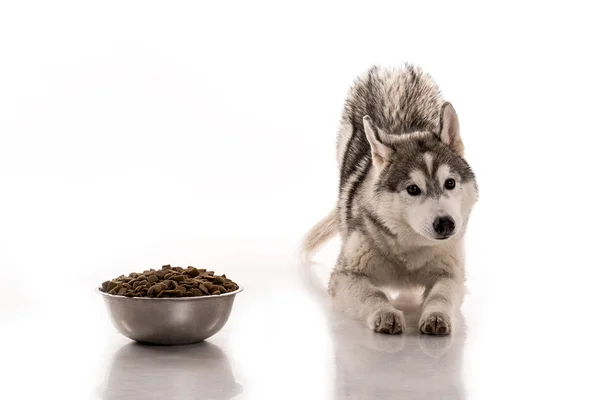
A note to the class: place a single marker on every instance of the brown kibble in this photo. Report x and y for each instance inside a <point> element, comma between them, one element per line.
<point>221,289</point>
<point>169,282</point>
<point>155,288</point>
<point>203,289</point>
<point>161,273</point>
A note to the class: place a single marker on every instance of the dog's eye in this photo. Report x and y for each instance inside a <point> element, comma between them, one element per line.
<point>413,190</point>
<point>450,184</point>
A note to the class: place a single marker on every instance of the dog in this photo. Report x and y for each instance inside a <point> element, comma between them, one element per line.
<point>405,196</point>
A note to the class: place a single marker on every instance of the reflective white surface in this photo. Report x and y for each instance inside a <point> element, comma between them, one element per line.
<point>282,341</point>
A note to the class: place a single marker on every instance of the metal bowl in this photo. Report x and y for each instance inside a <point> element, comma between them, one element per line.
<point>169,321</point>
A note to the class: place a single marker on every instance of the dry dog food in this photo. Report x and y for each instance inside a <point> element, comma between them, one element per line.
<point>170,282</point>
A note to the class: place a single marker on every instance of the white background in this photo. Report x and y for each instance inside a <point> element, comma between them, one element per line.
<point>137,133</point>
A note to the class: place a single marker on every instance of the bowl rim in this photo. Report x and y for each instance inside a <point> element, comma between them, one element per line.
<point>211,296</point>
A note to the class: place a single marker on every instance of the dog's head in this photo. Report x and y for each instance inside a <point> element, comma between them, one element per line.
<point>422,182</point>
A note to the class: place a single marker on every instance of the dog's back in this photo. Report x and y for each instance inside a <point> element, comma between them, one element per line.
<point>400,100</point>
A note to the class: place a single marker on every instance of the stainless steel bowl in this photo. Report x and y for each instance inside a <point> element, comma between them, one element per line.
<point>169,321</point>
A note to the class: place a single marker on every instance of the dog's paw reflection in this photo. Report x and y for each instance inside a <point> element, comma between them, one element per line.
<point>435,346</point>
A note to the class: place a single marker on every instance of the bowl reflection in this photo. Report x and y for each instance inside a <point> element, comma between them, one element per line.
<point>200,371</point>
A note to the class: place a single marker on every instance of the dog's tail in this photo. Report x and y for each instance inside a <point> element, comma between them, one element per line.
<point>323,231</point>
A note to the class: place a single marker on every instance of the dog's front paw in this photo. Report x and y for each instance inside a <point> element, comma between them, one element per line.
<point>387,321</point>
<point>435,323</point>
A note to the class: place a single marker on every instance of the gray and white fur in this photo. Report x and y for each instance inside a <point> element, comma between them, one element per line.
<point>405,196</point>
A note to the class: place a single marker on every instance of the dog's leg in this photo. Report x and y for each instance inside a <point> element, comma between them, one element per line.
<point>355,293</point>
<point>440,300</point>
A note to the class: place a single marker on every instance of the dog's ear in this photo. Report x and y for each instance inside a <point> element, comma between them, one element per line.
<point>380,152</point>
<point>450,129</point>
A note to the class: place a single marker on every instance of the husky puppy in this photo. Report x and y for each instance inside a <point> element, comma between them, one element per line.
<point>405,196</point>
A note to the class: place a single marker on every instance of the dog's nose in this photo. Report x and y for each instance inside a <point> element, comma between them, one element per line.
<point>443,226</point>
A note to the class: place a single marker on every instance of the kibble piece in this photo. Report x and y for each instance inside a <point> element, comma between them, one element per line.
<point>153,278</point>
<point>178,278</point>
<point>203,289</point>
<point>155,288</point>
<point>221,288</point>
<point>161,273</point>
